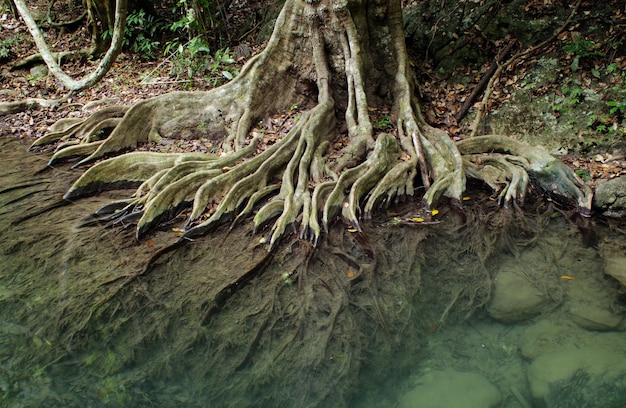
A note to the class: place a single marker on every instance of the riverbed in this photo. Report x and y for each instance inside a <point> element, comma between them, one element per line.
<point>480,308</point>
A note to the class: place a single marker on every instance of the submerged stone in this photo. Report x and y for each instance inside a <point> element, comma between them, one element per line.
<point>452,388</point>
<point>587,377</point>
<point>616,268</point>
<point>596,317</point>
<point>514,298</point>
<point>554,335</point>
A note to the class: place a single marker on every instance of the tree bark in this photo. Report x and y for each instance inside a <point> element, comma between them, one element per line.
<point>101,19</point>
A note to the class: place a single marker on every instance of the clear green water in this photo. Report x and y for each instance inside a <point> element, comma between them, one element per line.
<point>79,328</point>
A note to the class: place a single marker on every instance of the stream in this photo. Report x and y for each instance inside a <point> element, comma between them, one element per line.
<point>475,311</point>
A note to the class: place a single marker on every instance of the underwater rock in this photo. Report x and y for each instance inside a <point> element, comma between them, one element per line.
<point>587,377</point>
<point>595,317</point>
<point>514,298</point>
<point>616,267</point>
<point>451,388</point>
<point>558,334</point>
<point>610,197</point>
<point>546,336</point>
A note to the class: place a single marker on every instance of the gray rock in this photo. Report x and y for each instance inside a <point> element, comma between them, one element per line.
<point>587,377</point>
<point>39,71</point>
<point>610,197</point>
<point>558,334</point>
<point>451,388</point>
<point>616,268</point>
<point>547,336</point>
<point>514,298</point>
<point>596,317</point>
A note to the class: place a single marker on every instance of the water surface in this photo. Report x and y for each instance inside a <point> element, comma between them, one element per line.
<point>404,317</point>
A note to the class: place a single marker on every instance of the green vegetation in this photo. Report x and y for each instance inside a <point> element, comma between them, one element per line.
<point>583,174</point>
<point>572,96</point>
<point>189,54</point>
<point>139,34</point>
<point>223,60</point>
<point>383,122</point>
<point>6,46</point>
<point>582,48</point>
<point>611,119</point>
<point>145,32</point>
<point>607,80</point>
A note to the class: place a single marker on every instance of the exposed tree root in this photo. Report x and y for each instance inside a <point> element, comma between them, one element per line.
<point>507,167</point>
<point>7,108</point>
<point>58,56</point>
<point>316,59</point>
<point>82,130</point>
<point>53,65</point>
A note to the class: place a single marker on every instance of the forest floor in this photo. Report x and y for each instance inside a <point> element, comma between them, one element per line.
<point>597,64</point>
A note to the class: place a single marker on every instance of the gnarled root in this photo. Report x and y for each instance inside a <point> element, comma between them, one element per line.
<point>80,137</point>
<point>362,178</point>
<point>502,170</point>
<point>299,180</point>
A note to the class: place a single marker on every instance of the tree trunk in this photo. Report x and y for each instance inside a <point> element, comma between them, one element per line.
<point>101,19</point>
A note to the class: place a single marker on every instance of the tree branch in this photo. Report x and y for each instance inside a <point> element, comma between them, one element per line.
<point>519,55</point>
<point>7,108</point>
<point>54,67</point>
<point>483,82</point>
